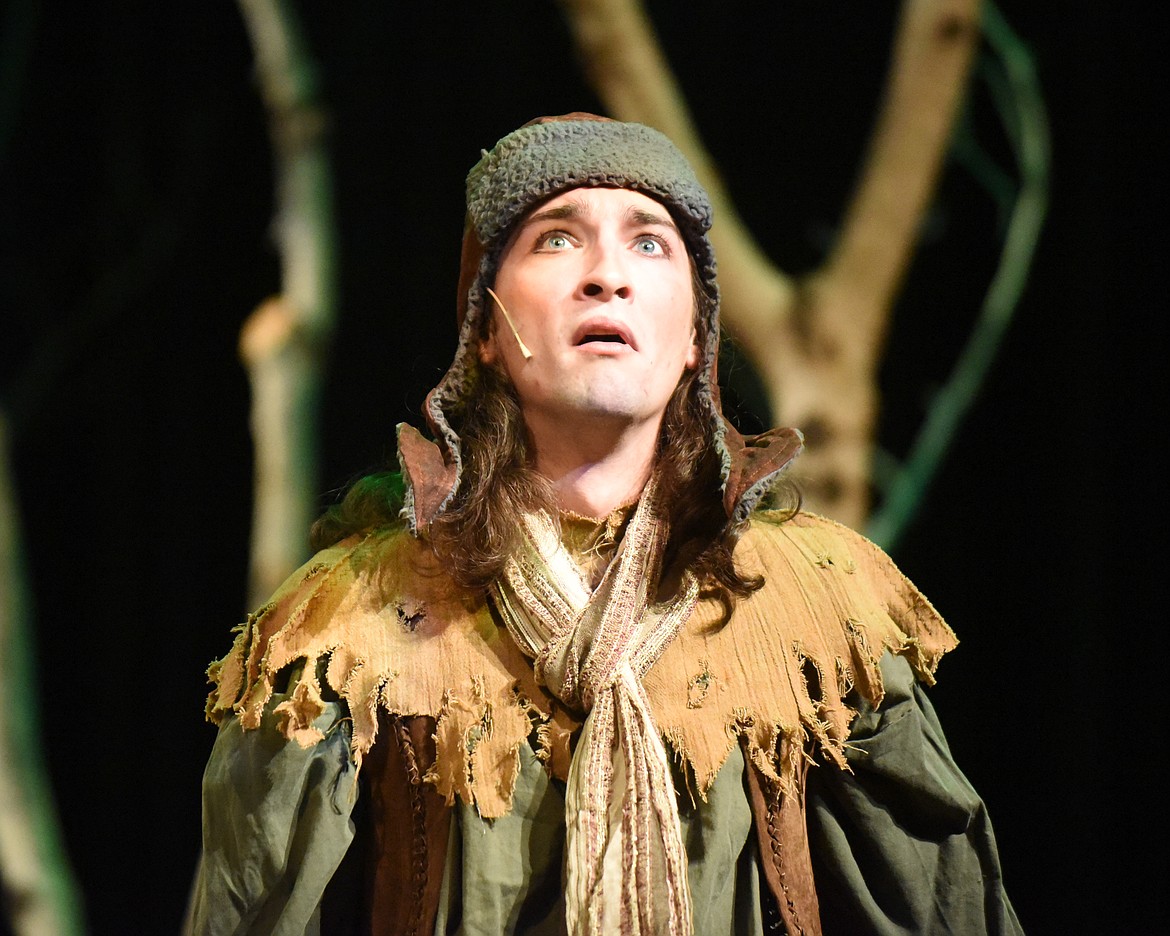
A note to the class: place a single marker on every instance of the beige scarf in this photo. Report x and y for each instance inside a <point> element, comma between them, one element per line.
<point>626,864</point>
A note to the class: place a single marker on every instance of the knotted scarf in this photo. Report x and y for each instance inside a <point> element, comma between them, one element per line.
<point>626,863</point>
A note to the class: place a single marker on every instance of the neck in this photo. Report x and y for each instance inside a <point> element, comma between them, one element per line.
<point>595,471</point>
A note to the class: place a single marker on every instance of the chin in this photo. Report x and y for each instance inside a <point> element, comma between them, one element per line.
<point>616,410</point>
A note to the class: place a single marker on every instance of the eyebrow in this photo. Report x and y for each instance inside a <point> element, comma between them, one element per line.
<point>641,216</point>
<point>572,210</point>
<point>566,212</point>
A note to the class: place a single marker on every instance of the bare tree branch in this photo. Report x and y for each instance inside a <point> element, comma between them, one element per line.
<point>282,343</point>
<point>626,67</point>
<point>932,57</point>
<point>38,888</point>
<point>846,305</point>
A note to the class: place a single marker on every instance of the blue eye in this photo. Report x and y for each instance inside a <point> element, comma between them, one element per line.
<point>555,241</point>
<point>650,246</point>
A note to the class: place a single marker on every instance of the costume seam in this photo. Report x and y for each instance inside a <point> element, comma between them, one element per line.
<point>774,840</point>
<point>418,817</point>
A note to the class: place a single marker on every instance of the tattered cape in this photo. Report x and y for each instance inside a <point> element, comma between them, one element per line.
<point>377,617</point>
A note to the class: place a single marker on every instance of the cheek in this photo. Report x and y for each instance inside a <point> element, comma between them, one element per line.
<point>679,316</point>
<point>678,326</point>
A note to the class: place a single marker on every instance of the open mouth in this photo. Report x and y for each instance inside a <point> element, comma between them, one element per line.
<point>611,337</point>
<point>601,331</point>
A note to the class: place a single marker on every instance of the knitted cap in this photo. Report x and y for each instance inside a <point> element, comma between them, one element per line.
<point>543,158</point>
<point>551,155</point>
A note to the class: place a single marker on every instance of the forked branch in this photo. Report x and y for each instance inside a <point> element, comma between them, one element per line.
<point>816,342</point>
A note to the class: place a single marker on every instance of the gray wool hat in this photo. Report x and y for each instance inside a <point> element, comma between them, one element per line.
<point>543,158</point>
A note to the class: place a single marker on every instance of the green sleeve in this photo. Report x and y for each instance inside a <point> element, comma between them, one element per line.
<point>276,824</point>
<point>903,844</point>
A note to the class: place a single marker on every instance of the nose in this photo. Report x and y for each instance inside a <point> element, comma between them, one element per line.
<point>605,275</point>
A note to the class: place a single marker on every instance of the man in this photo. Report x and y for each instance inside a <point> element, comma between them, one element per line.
<point>583,683</point>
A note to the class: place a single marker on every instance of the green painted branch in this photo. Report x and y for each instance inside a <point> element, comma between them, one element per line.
<point>1028,128</point>
<point>38,888</point>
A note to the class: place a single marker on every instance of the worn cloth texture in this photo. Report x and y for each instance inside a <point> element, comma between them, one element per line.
<point>403,671</point>
<point>390,631</point>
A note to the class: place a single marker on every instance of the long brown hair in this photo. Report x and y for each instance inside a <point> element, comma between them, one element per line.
<point>477,531</point>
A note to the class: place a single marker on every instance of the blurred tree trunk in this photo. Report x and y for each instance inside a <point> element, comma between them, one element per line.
<point>39,894</point>
<point>283,342</point>
<point>816,341</point>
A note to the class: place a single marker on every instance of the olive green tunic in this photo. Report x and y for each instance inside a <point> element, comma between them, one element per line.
<point>901,845</point>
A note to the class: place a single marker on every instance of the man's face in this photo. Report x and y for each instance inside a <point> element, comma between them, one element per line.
<point>598,283</point>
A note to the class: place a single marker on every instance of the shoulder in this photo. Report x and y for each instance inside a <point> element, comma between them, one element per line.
<point>791,662</point>
<point>377,623</point>
<point>846,576</point>
<point>803,528</point>
<point>386,575</point>
<point>784,545</point>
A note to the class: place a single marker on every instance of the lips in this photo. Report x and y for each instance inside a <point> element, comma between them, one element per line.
<point>603,331</point>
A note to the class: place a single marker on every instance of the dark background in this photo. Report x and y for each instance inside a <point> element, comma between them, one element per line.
<point>136,196</point>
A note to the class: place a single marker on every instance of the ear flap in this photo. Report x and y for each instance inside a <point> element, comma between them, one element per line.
<point>755,462</point>
<point>430,478</point>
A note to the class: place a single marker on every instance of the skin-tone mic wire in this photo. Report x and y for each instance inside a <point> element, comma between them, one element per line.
<point>507,318</point>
